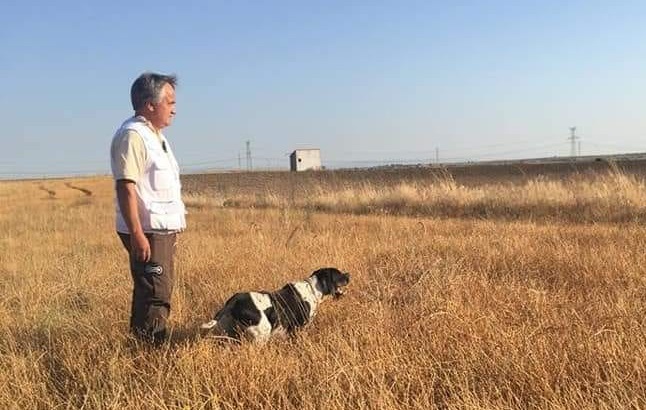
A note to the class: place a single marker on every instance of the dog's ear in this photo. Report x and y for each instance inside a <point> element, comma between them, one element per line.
<point>324,278</point>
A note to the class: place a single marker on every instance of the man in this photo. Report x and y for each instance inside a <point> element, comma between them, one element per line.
<point>150,210</point>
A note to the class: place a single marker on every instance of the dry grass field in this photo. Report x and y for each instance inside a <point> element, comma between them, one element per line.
<point>498,295</point>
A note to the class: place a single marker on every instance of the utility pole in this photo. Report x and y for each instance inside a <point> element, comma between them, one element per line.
<point>239,161</point>
<point>573,138</point>
<point>249,165</point>
<point>437,155</point>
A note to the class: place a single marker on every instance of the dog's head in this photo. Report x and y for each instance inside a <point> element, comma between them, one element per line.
<point>331,281</point>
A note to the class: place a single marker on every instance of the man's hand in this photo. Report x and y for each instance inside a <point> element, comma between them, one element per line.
<point>140,247</point>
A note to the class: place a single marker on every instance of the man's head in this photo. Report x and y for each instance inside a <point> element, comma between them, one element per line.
<point>153,97</point>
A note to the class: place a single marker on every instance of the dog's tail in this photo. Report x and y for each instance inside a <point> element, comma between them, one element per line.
<point>210,324</point>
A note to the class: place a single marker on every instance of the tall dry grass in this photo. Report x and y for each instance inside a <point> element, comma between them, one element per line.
<point>610,196</point>
<point>485,312</point>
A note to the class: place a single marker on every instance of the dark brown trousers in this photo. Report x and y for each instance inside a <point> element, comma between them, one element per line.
<point>153,285</point>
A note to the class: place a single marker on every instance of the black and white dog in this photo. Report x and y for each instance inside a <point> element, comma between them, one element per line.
<point>260,315</point>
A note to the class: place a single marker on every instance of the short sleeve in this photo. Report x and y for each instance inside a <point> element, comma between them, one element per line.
<point>128,156</point>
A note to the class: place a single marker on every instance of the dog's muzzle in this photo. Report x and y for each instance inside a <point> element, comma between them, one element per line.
<point>339,291</point>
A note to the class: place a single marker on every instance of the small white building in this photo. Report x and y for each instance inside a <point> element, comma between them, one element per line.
<point>305,159</point>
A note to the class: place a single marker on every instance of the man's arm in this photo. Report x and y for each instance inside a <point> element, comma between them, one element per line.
<point>127,197</point>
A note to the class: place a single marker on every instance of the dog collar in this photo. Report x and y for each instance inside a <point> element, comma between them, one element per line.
<point>309,282</point>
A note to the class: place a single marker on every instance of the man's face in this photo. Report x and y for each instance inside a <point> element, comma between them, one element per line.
<point>162,113</point>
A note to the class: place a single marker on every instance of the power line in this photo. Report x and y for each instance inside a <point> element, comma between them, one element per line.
<point>476,153</point>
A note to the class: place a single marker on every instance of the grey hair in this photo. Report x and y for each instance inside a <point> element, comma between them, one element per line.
<point>147,88</point>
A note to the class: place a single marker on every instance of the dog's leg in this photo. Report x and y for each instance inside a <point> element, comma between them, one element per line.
<point>280,333</point>
<point>259,333</point>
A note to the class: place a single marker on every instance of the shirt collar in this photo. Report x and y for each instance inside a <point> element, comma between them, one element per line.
<point>141,118</point>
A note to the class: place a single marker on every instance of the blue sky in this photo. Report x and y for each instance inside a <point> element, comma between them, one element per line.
<point>362,80</point>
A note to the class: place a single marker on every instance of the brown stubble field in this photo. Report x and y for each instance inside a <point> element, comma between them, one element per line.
<point>523,293</point>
